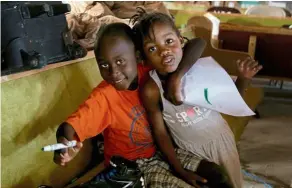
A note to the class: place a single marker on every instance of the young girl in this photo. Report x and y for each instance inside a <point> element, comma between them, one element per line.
<point>208,135</point>
<point>115,109</point>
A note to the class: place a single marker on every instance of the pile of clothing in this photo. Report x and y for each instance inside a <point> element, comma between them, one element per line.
<point>86,17</point>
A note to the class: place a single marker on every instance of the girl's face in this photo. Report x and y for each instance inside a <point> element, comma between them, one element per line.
<point>117,61</point>
<point>163,48</point>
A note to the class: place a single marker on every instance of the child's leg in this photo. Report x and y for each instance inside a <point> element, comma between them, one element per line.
<point>157,174</point>
<point>215,175</point>
<point>225,153</point>
<point>232,166</point>
<point>188,160</point>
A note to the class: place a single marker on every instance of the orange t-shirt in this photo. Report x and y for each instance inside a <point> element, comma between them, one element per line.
<point>120,116</point>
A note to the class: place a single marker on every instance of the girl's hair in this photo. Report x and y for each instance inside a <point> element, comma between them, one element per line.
<point>114,30</point>
<point>143,25</point>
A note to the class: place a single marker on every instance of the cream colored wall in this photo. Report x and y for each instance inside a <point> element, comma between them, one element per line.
<point>32,109</point>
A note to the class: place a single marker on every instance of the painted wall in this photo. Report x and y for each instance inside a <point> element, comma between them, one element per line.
<point>32,109</point>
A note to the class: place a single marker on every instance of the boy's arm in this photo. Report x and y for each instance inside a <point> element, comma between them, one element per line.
<point>191,53</point>
<point>66,130</point>
<point>66,133</point>
<point>150,96</point>
<point>90,119</point>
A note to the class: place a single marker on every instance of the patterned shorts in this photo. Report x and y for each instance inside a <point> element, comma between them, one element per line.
<point>157,172</point>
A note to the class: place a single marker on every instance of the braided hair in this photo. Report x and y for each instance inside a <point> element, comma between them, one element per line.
<point>143,26</point>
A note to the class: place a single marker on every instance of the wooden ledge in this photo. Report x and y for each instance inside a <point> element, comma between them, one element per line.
<point>256,29</point>
<point>18,75</point>
<point>242,15</point>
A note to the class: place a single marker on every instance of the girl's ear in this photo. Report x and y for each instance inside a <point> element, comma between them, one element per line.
<point>182,41</point>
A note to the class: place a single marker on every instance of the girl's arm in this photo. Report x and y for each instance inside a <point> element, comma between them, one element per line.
<point>150,99</point>
<point>191,53</point>
<point>150,96</point>
<point>247,69</point>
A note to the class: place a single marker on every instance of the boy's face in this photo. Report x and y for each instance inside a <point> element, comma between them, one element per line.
<point>117,61</point>
<point>163,48</point>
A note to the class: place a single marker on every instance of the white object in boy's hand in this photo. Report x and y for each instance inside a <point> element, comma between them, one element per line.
<point>208,85</point>
<point>59,146</point>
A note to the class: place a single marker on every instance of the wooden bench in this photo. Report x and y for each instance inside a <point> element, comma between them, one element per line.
<point>203,27</point>
<point>253,95</point>
<point>270,46</point>
<point>88,176</point>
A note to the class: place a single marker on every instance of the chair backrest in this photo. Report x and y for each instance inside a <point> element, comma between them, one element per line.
<point>264,10</point>
<point>206,27</point>
<point>288,13</point>
<point>223,10</point>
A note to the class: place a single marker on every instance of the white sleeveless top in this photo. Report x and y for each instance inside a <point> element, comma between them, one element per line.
<point>191,126</point>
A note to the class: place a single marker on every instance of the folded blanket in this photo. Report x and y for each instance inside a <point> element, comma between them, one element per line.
<point>91,8</point>
<point>128,9</point>
<point>85,27</point>
<point>86,17</point>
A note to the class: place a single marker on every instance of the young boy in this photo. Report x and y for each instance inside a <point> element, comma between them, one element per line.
<point>207,134</point>
<point>115,109</point>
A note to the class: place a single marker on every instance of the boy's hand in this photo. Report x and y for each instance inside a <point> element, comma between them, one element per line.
<point>247,68</point>
<point>192,178</point>
<point>63,156</point>
<point>173,89</point>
